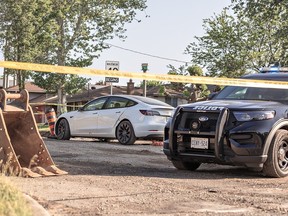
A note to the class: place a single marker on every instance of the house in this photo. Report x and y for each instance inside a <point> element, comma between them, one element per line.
<point>166,94</point>
<point>9,81</point>
<point>40,101</point>
<point>36,97</point>
<point>162,93</point>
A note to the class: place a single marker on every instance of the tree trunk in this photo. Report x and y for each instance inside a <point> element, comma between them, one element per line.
<point>61,106</point>
<point>4,79</point>
<point>193,95</point>
<point>62,103</point>
<point>20,80</point>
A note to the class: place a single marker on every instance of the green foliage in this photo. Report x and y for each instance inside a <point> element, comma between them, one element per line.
<point>193,91</point>
<point>195,70</point>
<point>204,91</point>
<point>219,49</point>
<point>70,33</point>
<point>82,27</point>
<point>80,31</point>
<point>269,21</point>
<point>20,26</point>
<point>186,93</point>
<point>162,90</point>
<point>71,83</point>
<point>181,71</point>
<point>43,127</point>
<point>244,37</point>
<point>197,90</point>
<point>151,83</point>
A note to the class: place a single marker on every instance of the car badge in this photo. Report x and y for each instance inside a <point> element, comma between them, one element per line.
<point>203,118</point>
<point>195,125</point>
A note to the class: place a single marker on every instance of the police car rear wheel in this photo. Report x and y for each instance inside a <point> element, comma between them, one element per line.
<point>277,161</point>
<point>184,165</point>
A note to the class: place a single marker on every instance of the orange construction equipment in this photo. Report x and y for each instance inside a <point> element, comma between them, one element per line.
<point>22,149</point>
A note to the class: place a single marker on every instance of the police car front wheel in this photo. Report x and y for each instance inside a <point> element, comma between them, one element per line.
<point>277,161</point>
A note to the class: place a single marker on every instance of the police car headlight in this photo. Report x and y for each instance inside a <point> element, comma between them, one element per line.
<point>254,115</point>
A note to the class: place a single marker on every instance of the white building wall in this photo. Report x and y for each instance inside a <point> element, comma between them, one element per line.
<point>10,82</point>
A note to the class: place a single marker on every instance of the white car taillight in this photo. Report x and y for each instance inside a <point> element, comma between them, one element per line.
<point>150,112</point>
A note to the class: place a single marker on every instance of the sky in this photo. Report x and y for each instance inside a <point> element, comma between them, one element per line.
<point>170,26</point>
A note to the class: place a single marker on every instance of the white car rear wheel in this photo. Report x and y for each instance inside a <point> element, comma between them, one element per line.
<point>125,133</point>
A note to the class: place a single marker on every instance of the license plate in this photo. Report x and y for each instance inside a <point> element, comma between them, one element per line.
<point>199,143</point>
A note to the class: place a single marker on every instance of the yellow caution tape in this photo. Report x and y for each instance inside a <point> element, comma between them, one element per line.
<point>144,76</point>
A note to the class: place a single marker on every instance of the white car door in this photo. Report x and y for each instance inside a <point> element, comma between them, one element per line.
<point>85,122</point>
<point>109,116</point>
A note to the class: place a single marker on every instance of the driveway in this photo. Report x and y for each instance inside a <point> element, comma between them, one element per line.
<point>113,179</point>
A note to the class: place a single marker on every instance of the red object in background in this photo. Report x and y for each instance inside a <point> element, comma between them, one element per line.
<point>157,143</point>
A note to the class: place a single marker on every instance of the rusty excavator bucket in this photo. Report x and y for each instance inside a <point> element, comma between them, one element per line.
<point>22,149</point>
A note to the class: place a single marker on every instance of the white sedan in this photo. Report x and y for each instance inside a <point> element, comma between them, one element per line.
<point>125,117</point>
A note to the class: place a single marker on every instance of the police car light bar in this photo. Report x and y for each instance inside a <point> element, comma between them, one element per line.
<point>273,69</point>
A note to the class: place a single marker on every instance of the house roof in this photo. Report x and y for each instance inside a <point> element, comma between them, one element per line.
<point>41,98</point>
<point>94,93</point>
<point>29,86</point>
<point>90,94</point>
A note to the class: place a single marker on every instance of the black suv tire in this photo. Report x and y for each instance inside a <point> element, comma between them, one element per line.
<point>277,161</point>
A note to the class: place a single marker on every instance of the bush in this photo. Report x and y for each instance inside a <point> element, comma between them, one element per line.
<point>12,201</point>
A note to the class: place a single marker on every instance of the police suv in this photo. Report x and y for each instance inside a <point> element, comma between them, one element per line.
<point>238,126</point>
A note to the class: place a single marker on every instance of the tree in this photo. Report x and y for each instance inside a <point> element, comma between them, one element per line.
<point>151,83</point>
<point>77,31</point>
<point>180,71</point>
<point>219,50</point>
<point>271,24</point>
<point>82,28</point>
<point>192,92</point>
<point>20,27</point>
<point>197,91</point>
<point>242,42</point>
<point>50,82</point>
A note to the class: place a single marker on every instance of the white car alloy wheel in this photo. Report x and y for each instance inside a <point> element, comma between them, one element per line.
<point>125,133</point>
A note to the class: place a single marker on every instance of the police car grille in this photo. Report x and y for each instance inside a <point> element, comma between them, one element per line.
<point>207,128</point>
<point>193,118</point>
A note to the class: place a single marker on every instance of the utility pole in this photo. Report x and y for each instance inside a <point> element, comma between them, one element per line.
<point>144,69</point>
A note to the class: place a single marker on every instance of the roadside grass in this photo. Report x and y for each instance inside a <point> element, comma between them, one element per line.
<point>12,201</point>
<point>43,127</point>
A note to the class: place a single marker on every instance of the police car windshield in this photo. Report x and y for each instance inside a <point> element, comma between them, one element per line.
<point>252,93</point>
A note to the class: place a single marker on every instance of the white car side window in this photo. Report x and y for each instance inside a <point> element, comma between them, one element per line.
<point>95,105</point>
<point>117,102</point>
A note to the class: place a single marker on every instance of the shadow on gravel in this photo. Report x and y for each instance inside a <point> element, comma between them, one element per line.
<point>112,159</point>
<point>206,171</point>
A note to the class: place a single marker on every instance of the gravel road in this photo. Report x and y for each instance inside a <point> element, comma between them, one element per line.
<point>112,179</point>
